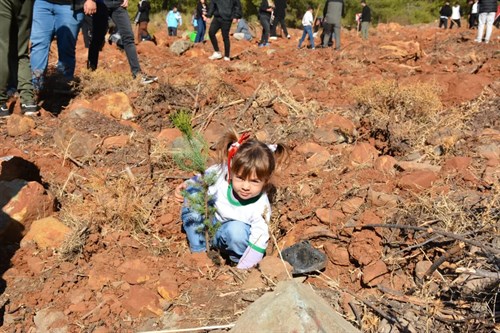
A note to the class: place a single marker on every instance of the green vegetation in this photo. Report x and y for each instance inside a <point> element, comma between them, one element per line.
<point>383,11</point>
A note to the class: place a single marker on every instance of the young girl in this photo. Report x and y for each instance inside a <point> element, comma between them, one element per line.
<point>240,199</point>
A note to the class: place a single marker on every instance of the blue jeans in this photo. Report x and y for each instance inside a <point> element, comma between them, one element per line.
<point>307,31</point>
<point>202,27</point>
<point>51,19</point>
<point>231,238</point>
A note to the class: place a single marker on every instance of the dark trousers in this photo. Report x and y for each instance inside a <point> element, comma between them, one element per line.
<point>172,31</point>
<point>200,33</point>
<point>224,26</point>
<point>119,15</point>
<point>87,30</point>
<point>281,21</point>
<point>443,22</point>
<point>265,21</point>
<point>142,30</point>
<point>473,20</point>
<point>457,22</point>
<point>331,30</point>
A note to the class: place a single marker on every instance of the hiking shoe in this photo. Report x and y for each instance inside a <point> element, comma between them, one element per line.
<point>30,109</point>
<point>288,36</point>
<point>4,111</point>
<point>273,38</point>
<point>264,45</point>
<point>227,59</point>
<point>147,79</point>
<point>215,56</point>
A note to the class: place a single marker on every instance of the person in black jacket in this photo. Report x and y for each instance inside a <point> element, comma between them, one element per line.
<point>224,12</point>
<point>366,18</point>
<point>201,17</point>
<point>487,12</point>
<point>266,15</point>
<point>444,15</point>
<point>279,17</point>
<point>142,20</point>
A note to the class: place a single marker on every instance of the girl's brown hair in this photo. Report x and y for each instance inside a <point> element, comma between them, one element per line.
<point>252,155</point>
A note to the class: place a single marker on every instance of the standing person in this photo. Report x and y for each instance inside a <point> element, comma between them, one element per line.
<point>142,20</point>
<point>266,10</point>
<point>473,14</point>
<point>242,30</point>
<point>455,15</point>
<point>101,11</point>
<point>224,13</point>
<point>241,203</point>
<point>201,19</point>
<point>444,15</point>
<point>15,25</point>
<point>279,17</point>
<point>174,20</point>
<point>307,22</point>
<point>59,18</point>
<point>333,12</point>
<point>366,18</point>
<point>487,12</point>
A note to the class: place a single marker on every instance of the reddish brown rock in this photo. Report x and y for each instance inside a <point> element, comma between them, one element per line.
<point>48,232</point>
<point>374,274</point>
<point>418,180</point>
<point>381,199</point>
<point>100,277</point>
<point>74,142</point>
<point>141,301</point>
<point>350,206</point>
<point>337,254</point>
<point>135,271</point>
<point>169,135</point>
<point>19,125</point>
<point>385,164</point>
<point>316,155</point>
<point>114,142</point>
<point>365,247</point>
<point>329,216</point>
<point>363,154</point>
<point>168,287</point>
<point>275,268</point>
<point>416,166</point>
<point>116,105</point>
<point>456,164</point>
<point>334,121</point>
<point>35,264</point>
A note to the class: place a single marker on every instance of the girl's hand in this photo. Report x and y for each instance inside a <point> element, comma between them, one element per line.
<point>178,192</point>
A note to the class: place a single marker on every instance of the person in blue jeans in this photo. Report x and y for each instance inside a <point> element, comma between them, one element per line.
<point>201,18</point>
<point>239,196</point>
<point>101,11</point>
<point>307,22</point>
<point>15,25</point>
<point>59,18</point>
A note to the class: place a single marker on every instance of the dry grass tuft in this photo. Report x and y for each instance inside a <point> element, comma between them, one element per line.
<point>101,80</point>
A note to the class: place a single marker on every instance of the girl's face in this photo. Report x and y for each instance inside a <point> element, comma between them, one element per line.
<point>247,188</point>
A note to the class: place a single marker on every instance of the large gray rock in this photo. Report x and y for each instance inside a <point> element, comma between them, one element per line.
<point>292,307</point>
<point>180,46</point>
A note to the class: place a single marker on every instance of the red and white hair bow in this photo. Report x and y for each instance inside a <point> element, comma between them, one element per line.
<point>232,151</point>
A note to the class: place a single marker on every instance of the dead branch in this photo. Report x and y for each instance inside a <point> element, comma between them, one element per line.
<point>203,328</point>
<point>356,312</point>
<point>445,257</point>
<point>248,103</point>
<point>431,231</point>
<point>478,272</point>
<point>319,234</point>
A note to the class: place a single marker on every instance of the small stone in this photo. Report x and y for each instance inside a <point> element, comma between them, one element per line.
<point>337,254</point>
<point>47,233</point>
<point>374,274</point>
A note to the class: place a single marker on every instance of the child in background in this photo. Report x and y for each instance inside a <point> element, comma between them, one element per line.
<point>174,20</point>
<point>307,22</point>
<point>242,206</point>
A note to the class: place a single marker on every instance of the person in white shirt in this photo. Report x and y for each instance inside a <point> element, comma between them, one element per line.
<point>242,208</point>
<point>307,22</point>
<point>455,15</point>
<point>474,13</point>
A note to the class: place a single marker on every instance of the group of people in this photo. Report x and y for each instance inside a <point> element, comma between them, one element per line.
<point>24,22</point>
<point>481,15</point>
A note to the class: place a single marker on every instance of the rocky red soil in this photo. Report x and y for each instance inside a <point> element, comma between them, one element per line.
<point>406,207</point>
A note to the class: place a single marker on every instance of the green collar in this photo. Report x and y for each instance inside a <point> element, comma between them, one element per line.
<point>235,202</point>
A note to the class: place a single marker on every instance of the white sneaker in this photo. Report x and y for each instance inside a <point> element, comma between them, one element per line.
<point>273,38</point>
<point>215,56</point>
<point>227,59</point>
<point>288,36</point>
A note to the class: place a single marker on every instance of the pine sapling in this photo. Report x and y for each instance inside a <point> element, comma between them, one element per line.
<point>194,157</point>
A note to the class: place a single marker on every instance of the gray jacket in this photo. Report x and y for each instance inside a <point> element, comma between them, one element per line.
<point>333,11</point>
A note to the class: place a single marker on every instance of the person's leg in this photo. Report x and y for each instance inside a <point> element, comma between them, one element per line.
<point>490,18</point>
<point>327,34</point>
<point>364,30</point>
<point>309,31</point>
<point>67,26</point>
<point>336,31</point>
<point>7,15</point>
<point>232,239</point>
<point>480,27</point>
<point>87,30</point>
<point>264,21</point>
<point>459,23</point>
<point>99,29</point>
<point>200,33</point>
<point>214,27</point>
<point>24,85</point>
<point>225,27</point>
<point>174,31</point>
<point>273,27</point>
<point>42,31</point>
<point>283,27</point>
<point>119,15</point>
<point>301,40</point>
